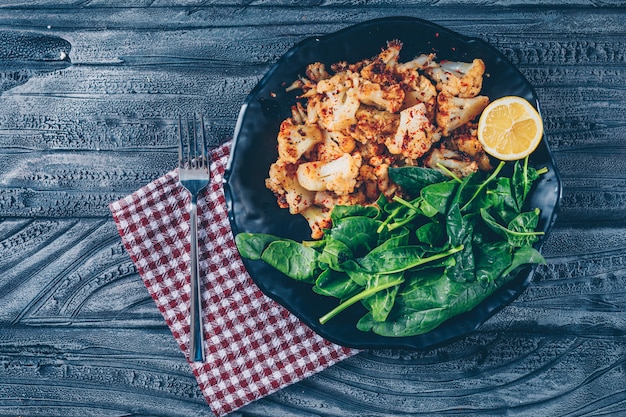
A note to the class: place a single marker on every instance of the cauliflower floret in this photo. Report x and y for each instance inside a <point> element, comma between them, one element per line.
<point>328,199</point>
<point>385,186</point>
<point>379,69</point>
<point>458,163</point>
<point>304,84</point>
<point>460,79</point>
<point>290,194</point>
<point>419,89</point>
<point>369,181</point>
<point>318,219</point>
<point>337,107</point>
<point>334,145</point>
<point>453,112</point>
<point>302,115</point>
<point>415,134</point>
<point>338,175</point>
<point>346,142</point>
<point>374,125</point>
<point>375,179</point>
<point>465,140</point>
<point>391,54</point>
<point>387,98</point>
<point>317,72</point>
<point>420,62</point>
<point>294,140</point>
<point>299,114</point>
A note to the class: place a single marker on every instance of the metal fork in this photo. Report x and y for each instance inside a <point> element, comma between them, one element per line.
<point>193,173</point>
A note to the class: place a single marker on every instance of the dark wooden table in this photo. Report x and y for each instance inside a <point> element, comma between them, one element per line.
<point>89,94</point>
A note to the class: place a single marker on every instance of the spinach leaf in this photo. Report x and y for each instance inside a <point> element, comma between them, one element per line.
<point>427,209</point>
<point>413,179</point>
<point>335,254</point>
<point>432,234</point>
<point>380,303</point>
<point>339,212</point>
<point>293,259</point>
<point>502,200</point>
<point>478,189</point>
<point>456,227</point>
<point>362,276</point>
<point>401,258</point>
<point>524,256</point>
<point>252,245</point>
<point>421,308</point>
<point>335,284</point>
<point>522,181</point>
<point>492,259</point>
<point>521,234</point>
<point>463,269</point>
<point>523,227</point>
<point>439,195</point>
<point>356,273</point>
<point>359,233</point>
<point>360,296</point>
<point>407,213</point>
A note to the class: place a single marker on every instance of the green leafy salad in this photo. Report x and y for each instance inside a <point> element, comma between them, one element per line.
<point>416,261</point>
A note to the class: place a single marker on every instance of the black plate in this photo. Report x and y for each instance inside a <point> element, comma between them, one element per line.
<point>252,208</point>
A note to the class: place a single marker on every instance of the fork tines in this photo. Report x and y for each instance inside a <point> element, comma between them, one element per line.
<point>192,150</point>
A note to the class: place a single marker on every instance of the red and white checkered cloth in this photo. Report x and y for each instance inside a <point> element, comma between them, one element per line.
<point>253,345</point>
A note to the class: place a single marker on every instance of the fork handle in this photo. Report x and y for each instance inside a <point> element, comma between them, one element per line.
<point>197,328</point>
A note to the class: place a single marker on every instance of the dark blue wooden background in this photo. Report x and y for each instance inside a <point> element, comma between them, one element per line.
<point>89,94</point>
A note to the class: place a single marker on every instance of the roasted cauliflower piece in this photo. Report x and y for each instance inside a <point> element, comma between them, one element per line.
<point>334,145</point>
<point>388,98</point>
<point>373,125</point>
<point>453,112</point>
<point>329,199</point>
<point>317,72</point>
<point>289,193</point>
<point>465,139</point>
<point>419,89</point>
<point>420,62</point>
<point>318,219</point>
<point>415,135</point>
<point>294,140</point>
<point>460,79</point>
<point>338,175</point>
<point>380,69</point>
<point>339,102</point>
<point>456,162</point>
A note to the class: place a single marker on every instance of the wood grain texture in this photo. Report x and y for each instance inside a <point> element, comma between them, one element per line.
<point>89,95</point>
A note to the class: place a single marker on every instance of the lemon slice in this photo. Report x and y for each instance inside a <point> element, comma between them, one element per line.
<point>510,128</point>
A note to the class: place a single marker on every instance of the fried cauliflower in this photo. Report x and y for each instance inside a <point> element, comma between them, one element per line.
<point>465,140</point>
<point>459,79</point>
<point>294,140</point>
<point>318,219</point>
<point>338,175</point>
<point>286,187</point>
<point>388,98</point>
<point>356,120</point>
<point>445,160</point>
<point>415,134</point>
<point>337,102</point>
<point>453,112</point>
